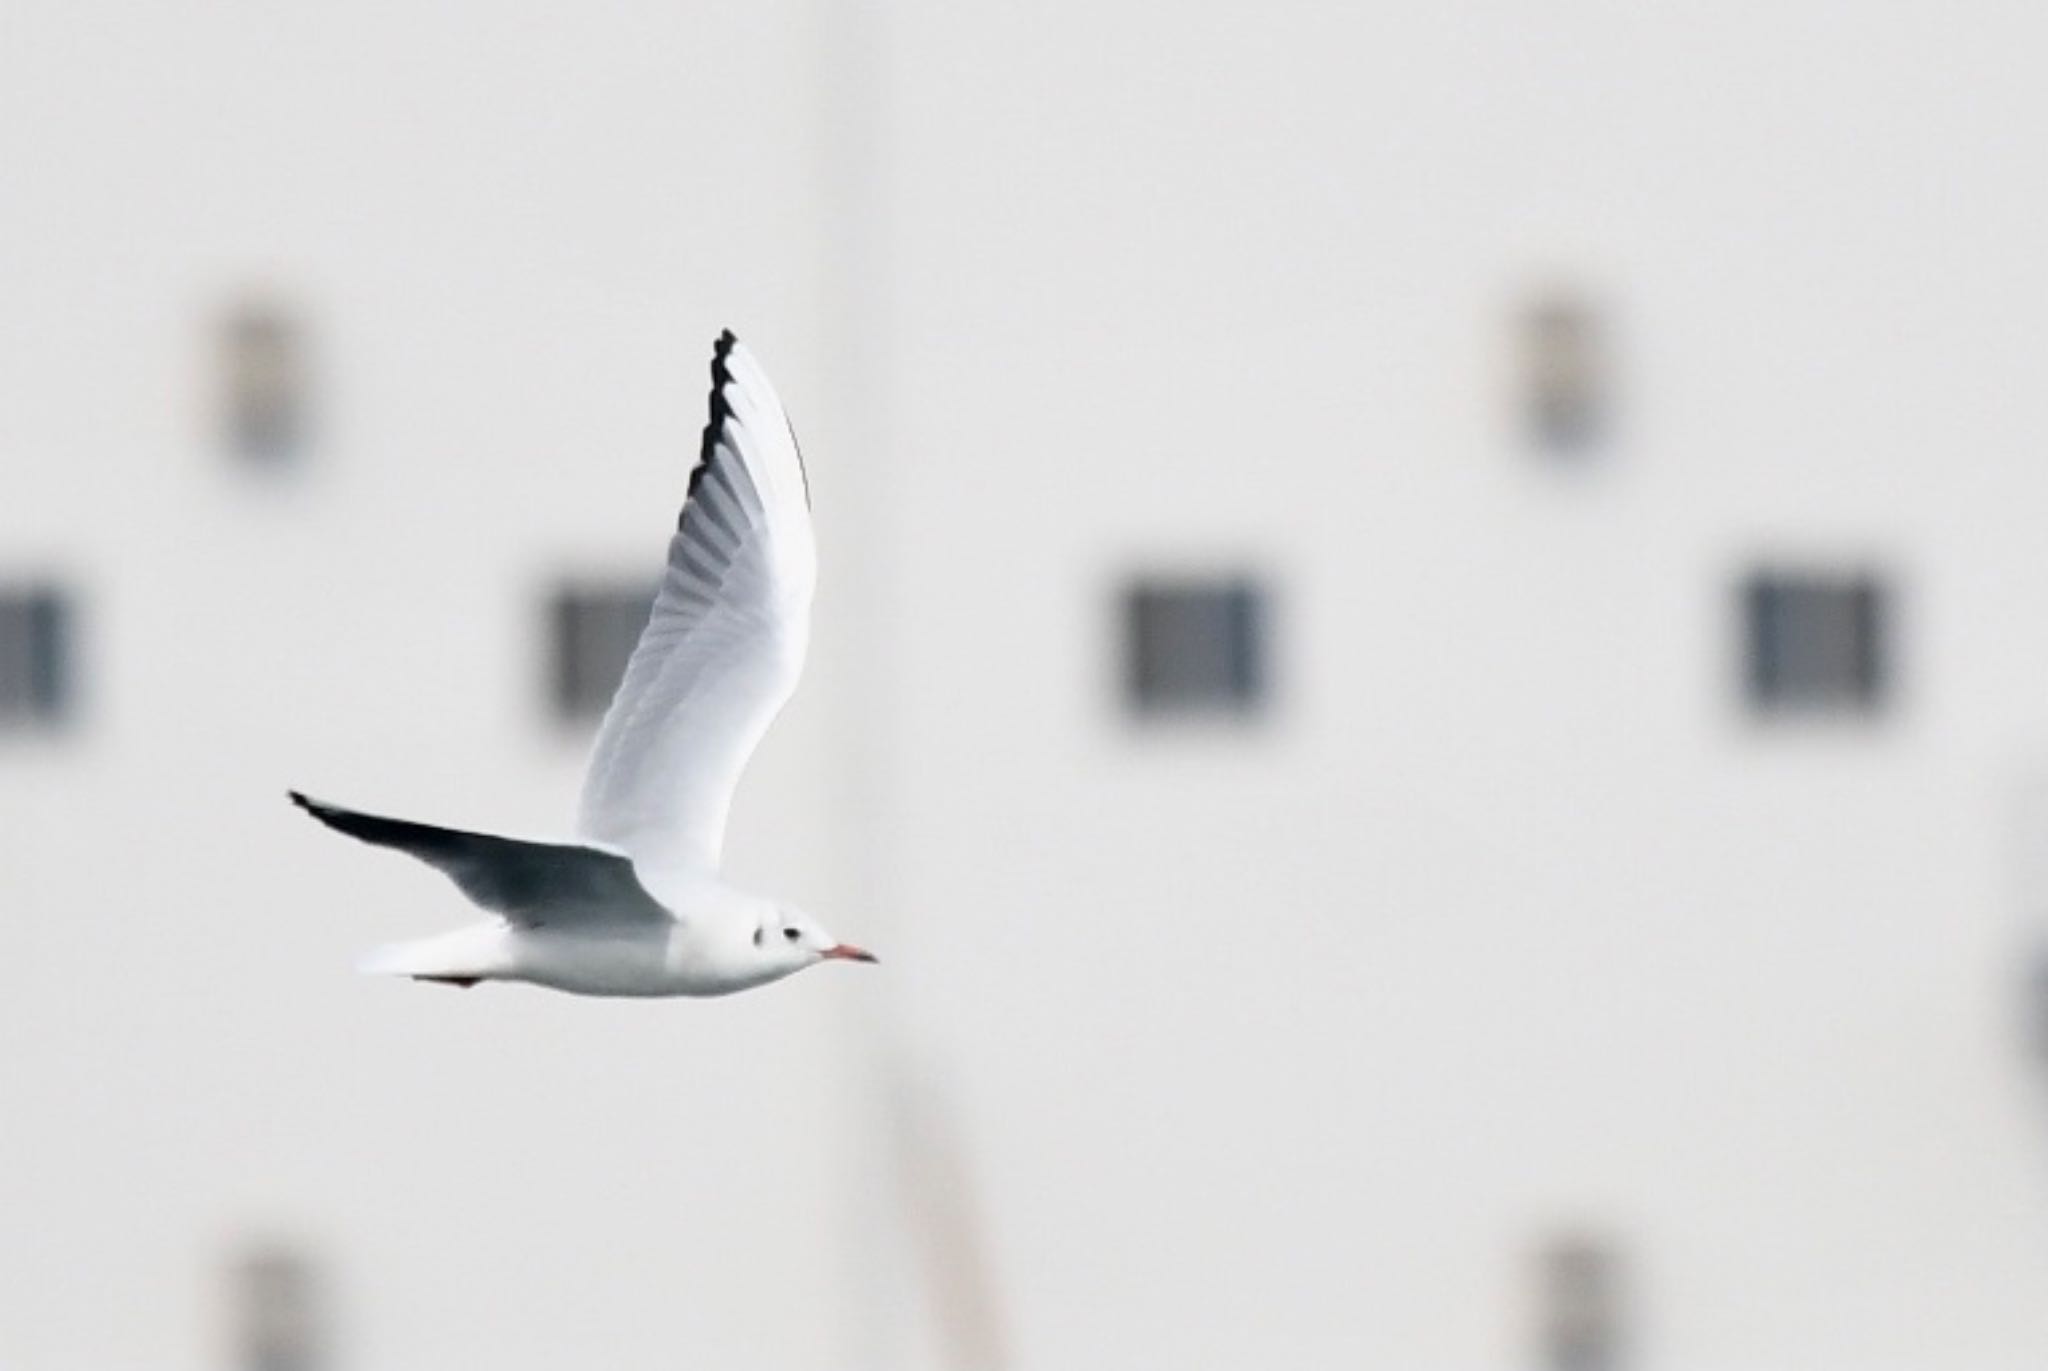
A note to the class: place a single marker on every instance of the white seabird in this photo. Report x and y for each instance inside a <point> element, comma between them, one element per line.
<point>636,906</point>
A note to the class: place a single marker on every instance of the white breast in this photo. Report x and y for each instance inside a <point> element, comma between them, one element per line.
<point>705,951</point>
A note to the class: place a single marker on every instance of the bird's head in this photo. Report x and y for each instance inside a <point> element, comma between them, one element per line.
<point>793,940</point>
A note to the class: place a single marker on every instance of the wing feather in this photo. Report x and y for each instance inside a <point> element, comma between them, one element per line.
<point>528,883</point>
<point>725,643</point>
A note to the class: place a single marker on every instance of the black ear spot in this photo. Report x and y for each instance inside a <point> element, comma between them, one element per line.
<point>760,932</point>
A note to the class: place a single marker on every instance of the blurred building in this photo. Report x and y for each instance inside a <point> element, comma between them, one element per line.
<point>1432,679</point>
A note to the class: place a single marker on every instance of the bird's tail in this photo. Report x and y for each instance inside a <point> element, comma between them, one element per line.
<point>463,957</point>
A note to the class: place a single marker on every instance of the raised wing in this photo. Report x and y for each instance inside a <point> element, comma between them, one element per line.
<point>725,644</point>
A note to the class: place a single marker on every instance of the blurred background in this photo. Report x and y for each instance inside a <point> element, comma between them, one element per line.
<point>1431,677</point>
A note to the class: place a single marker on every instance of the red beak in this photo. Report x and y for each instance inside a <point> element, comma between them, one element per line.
<point>847,952</point>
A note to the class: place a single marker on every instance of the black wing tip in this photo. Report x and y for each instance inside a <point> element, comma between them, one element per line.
<point>721,365</point>
<point>368,828</point>
<point>721,410</point>
<point>325,813</point>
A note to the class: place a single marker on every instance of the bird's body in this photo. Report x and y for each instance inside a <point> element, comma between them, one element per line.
<point>704,948</point>
<point>635,906</point>
<point>699,945</point>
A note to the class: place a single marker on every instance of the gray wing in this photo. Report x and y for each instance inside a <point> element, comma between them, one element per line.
<point>725,644</point>
<point>531,884</point>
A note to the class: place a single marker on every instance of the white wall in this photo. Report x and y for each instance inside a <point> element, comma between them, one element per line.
<point>514,234</point>
<point>1291,1048</point>
<point>1280,1048</point>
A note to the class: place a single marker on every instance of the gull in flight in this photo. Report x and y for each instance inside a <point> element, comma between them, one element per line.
<point>635,906</point>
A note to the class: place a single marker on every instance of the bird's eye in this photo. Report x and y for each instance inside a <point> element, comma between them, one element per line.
<point>791,934</point>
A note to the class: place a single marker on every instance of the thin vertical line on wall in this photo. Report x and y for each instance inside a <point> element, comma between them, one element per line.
<point>947,1228</point>
<point>857,632</point>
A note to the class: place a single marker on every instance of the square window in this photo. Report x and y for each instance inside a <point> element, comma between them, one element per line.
<point>1195,647</point>
<point>263,366</point>
<point>35,657</point>
<point>1564,364</point>
<point>1580,1305</point>
<point>2036,1006</point>
<point>592,631</point>
<point>278,1311</point>
<point>1815,642</point>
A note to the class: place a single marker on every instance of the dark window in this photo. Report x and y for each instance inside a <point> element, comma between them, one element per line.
<point>1580,1306</point>
<point>1195,647</point>
<point>1564,361</point>
<point>35,657</point>
<point>1815,641</point>
<point>591,634</point>
<point>278,1312</point>
<point>263,363</point>
<point>2037,1004</point>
